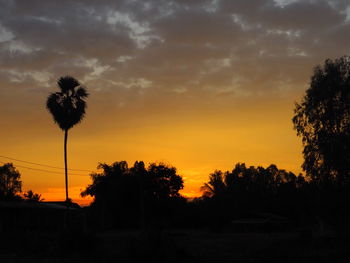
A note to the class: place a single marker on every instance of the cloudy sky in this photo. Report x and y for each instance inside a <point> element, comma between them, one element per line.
<point>198,84</point>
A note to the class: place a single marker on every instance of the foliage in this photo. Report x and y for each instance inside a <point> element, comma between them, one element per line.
<point>322,120</point>
<point>10,184</point>
<point>250,180</point>
<point>32,197</point>
<point>68,105</point>
<point>252,189</point>
<point>163,181</point>
<point>215,186</point>
<point>125,194</point>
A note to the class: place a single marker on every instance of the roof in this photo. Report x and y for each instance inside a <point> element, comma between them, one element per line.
<point>37,205</point>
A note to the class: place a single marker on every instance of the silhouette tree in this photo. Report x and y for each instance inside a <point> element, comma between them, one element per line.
<point>139,171</point>
<point>215,185</point>
<point>164,181</point>
<point>68,109</point>
<point>32,197</point>
<point>10,184</point>
<point>322,120</point>
<point>124,195</point>
<point>248,190</point>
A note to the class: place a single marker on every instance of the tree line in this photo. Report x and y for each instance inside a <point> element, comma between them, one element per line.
<point>124,195</point>
<point>11,185</point>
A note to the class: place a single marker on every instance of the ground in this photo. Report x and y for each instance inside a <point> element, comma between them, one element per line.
<point>182,245</point>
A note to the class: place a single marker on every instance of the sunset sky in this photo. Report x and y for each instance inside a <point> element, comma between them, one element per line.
<point>200,85</point>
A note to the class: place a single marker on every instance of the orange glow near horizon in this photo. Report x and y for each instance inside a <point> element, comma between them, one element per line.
<point>196,143</point>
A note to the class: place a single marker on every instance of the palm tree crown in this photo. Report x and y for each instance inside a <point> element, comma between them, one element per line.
<point>68,105</point>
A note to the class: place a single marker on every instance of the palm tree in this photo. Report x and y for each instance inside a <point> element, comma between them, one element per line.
<point>216,185</point>
<point>68,109</point>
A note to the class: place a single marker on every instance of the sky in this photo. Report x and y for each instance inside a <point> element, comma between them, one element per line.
<point>200,85</point>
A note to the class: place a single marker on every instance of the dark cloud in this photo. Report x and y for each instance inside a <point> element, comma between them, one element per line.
<point>211,47</point>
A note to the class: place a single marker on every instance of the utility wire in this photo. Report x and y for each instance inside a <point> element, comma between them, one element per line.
<point>41,170</point>
<point>44,165</point>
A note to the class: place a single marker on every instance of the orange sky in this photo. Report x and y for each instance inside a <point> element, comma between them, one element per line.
<point>196,141</point>
<point>200,85</point>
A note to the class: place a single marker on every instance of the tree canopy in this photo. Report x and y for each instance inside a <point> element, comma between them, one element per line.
<point>10,183</point>
<point>250,181</point>
<point>122,193</point>
<point>30,196</point>
<point>322,120</point>
<point>68,105</point>
<point>247,190</point>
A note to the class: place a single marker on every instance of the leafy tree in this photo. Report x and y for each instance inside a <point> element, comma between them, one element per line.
<point>249,189</point>
<point>32,197</point>
<point>10,184</point>
<point>322,120</point>
<point>123,195</point>
<point>68,109</point>
<point>107,184</point>
<point>163,180</point>
<point>159,180</point>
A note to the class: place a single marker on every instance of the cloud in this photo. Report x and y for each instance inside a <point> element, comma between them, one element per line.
<point>212,47</point>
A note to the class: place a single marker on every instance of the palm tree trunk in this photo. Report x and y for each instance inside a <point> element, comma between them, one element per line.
<point>65,162</point>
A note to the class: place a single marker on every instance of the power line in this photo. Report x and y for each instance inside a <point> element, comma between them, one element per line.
<point>41,170</point>
<point>44,165</point>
